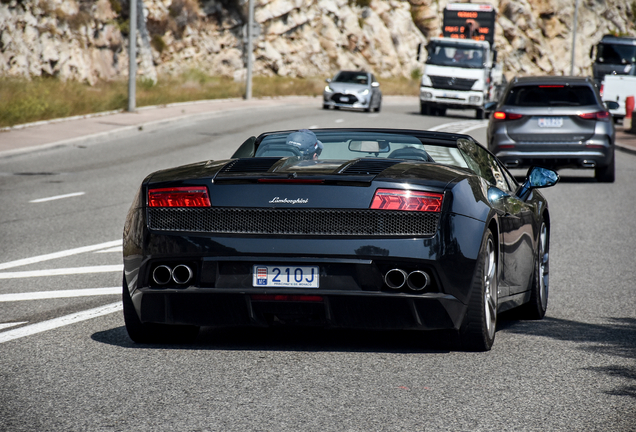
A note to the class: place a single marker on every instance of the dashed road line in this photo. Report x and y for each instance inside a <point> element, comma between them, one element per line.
<point>57,197</point>
<point>63,271</point>
<point>62,254</point>
<point>11,324</point>
<point>59,322</point>
<point>41,295</point>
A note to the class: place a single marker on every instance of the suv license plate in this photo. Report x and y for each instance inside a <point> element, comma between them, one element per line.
<point>550,122</point>
<point>285,276</point>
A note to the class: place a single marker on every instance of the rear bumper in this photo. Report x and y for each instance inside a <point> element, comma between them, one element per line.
<point>556,159</point>
<point>228,308</point>
<point>457,99</point>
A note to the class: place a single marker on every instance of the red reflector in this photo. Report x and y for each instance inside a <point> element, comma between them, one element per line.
<point>551,86</point>
<point>599,115</point>
<point>398,199</point>
<point>286,297</point>
<point>188,196</point>
<point>601,91</point>
<point>500,115</point>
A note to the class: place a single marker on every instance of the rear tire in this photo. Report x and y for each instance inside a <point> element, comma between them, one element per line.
<point>537,306</point>
<point>477,332</point>
<point>153,333</point>
<point>606,174</point>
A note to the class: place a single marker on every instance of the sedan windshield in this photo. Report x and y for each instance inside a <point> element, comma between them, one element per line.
<point>352,78</point>
<point>550,95</point>
<point>341,145</point>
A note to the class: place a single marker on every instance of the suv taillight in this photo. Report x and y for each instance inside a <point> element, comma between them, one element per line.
<point>188,196</point>
<point>407,200</point>
<point>500,115</point>
<point>598,115</point>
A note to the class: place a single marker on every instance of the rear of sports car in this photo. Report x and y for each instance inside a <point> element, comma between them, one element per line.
<point>367,244</point>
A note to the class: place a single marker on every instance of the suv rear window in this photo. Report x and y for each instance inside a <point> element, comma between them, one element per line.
<point>551,95</point>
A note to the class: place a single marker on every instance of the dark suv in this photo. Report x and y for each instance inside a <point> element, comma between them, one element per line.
<point>555,122</point>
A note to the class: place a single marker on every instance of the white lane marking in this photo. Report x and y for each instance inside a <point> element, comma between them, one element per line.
<point>62,254</point>
<point>57,197</point>
<point>63,271</point>
<point>460,124</point>
<point>114,249</point>
<point>40,295</point>
<point>339,120</point>
<point>60,322</point>
<point>12,324</point>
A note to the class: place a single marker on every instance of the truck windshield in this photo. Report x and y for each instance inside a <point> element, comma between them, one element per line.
<point>457,55</point>
<point>616,54</point>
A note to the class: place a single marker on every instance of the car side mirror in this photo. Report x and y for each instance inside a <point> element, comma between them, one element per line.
<point>375,84</point>
<point>611,105</point>
<point>490,106</point>
<point>537,178</point>
<point>328,80</point>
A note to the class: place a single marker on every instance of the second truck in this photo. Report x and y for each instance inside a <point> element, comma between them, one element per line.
<point>461,70</point>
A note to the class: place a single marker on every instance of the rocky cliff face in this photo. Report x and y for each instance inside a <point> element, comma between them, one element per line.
<point>87,39</point>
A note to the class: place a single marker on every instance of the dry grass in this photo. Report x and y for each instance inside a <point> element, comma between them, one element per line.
<point>24,101</point>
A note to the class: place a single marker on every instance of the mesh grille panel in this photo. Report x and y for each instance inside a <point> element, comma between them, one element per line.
<point>293,221</point>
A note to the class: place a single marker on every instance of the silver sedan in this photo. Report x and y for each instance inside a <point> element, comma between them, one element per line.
<point>353,89</point>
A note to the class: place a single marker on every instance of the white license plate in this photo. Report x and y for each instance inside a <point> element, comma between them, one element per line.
<point>285,276</point>
<point>550,122</point>
<point>344,99</point>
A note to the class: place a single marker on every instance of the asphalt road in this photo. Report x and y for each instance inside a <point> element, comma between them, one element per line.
<point>66,362</point>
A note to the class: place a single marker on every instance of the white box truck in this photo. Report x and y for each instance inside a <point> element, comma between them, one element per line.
<point>617,88</point>
<point>460,70</point>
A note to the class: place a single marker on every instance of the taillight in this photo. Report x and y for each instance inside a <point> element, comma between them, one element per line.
<point>500,115</point>
<point>598,115</point>
<point>601,91</point>
<point>398,199</point>
<point>188,196</point>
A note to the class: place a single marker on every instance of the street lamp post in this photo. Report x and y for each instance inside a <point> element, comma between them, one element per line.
<point>574,26</point>
<point>132,56</point>
<point>250,48</point>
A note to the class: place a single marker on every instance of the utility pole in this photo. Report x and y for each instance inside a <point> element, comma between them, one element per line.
<point>574,26</point>
<point>250,49</point>
<point>132,56</point>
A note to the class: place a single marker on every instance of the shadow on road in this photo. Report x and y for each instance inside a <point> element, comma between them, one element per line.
<point>616,338</point>
<point>298,339</point>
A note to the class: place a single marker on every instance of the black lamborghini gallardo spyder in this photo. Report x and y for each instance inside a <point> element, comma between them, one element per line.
<point>381,229</point>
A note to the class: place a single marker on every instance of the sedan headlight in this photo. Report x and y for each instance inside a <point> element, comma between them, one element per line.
<point>365,92</point>
<point>328,89</point>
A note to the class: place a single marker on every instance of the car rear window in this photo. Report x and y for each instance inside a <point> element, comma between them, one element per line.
<point>551,95</point>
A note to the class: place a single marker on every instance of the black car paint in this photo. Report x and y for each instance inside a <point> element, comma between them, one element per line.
<point>357,263</point>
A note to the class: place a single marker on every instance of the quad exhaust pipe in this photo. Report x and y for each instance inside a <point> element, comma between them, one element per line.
<point>180,274</point>
<point>416,280</point>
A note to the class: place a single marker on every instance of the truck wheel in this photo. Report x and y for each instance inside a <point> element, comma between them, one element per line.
<point>479,114</point>
<point>424,109</point>
<point>441,112</point>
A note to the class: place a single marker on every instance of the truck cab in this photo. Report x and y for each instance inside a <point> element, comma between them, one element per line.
<point>613,56</point>
<point>459,74</point>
